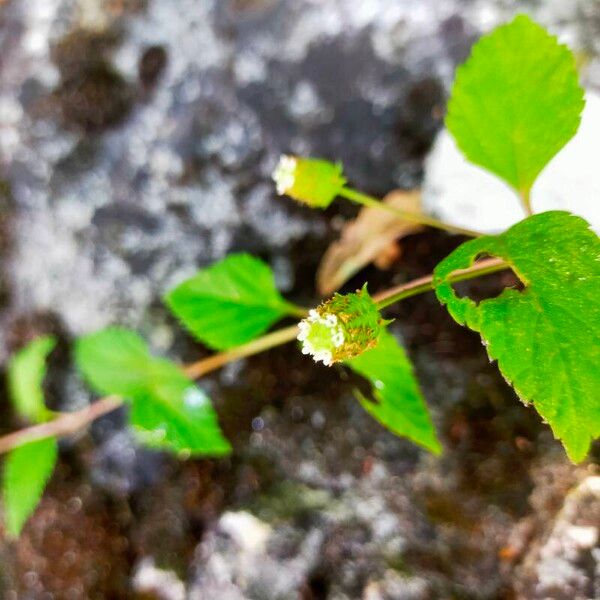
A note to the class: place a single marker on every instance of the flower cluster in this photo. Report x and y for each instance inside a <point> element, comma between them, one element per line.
<point>341,328</point>
<point>311,181</point>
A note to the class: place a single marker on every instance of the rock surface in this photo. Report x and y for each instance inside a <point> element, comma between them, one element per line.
<point>566,562</point>
<point>136,142</point>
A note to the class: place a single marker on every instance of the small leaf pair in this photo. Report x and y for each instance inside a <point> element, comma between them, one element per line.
<point>167,410</point>
<point>28,468</point>
<point>515,103</point>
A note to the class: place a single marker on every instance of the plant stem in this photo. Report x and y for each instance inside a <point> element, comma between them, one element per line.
<point>68,423</point>
<point>425,284</point>
<point>296,311</point>
<point>365,200</point>
<point>525,196</point>
<point>63,425</point>
<point>270,340</point>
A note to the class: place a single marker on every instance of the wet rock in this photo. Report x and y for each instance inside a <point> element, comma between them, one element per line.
<point>152,583</point>
<point>152,63</point>
<point>119,465</point>
<point>92,94</point>
<point>72,548</point>
<point>83,49</point>
<point>235,562</point>
<point>565,564</point>
<point>97,99</point>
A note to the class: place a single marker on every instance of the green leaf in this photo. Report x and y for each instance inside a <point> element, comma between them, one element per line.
<point>114,361</point>
<point>26,371</point>
<point>175,414</point>
<point>399,404</point>
<point>546,339</point>
<point>168,410</point>
<point>229,303</point>
<point>515,102</point>
<point>27,469</point>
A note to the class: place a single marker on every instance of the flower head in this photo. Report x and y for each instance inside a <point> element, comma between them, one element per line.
<point>309,180</point>
<point>341,328</point>
<point>284,174</point>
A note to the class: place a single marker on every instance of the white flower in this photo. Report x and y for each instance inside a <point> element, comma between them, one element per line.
<point>341,328</point>
<point>312,181</point>
<point>320,336</point>
<point>284,174</point>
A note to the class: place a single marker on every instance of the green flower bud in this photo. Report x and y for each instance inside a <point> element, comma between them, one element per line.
<point>309,180</point>
<point>341,328</point>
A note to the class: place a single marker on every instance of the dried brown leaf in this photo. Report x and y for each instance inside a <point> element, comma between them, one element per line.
<point>371,237</point>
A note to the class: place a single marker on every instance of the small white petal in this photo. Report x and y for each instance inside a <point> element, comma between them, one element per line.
<point>284,174</point>
<point>304,329</point>
<point>323,356</point>
<point>338,338</point>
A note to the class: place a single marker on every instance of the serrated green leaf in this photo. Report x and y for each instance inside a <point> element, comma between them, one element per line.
<point>27,469</point>
<point>26,371</point>
<point>114,361</point>
<point>177,415</point>
<point>168,410</point>
<point>546,339</point>
<point>229,303</point>
<point>515,102</point>
<point>399,404</point>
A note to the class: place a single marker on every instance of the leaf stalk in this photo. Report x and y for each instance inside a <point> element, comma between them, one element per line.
<point>366,200</point>
<point>68,423</point>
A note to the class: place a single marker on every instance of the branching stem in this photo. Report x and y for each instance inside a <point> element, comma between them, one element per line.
<point>65,424</point>
<point>216,361</point>
<point>365,200</point>
<point>68,423</point>
<point>425,284</point>
<point>525,196</point>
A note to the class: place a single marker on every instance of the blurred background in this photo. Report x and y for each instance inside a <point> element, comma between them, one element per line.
<point>136,142</point>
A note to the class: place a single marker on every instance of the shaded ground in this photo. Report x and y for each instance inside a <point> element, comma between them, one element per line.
<point>135,143</point>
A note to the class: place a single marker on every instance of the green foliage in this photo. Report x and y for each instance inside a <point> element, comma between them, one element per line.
<point>399,404</point>
<point>546,339</point>
<point>114,361</point>
<point>312,181</point>
<point>229,303</point>
<point>168,410</point>
<point>341,328</point>
<point>175,414</point>
<point>27,469</point>
<point>515,102</point>
<point>26,371</point>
